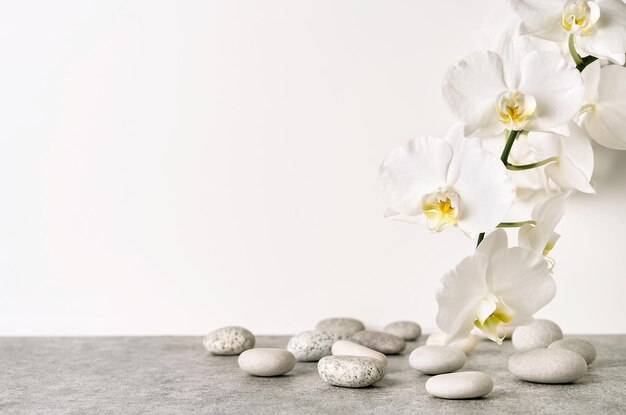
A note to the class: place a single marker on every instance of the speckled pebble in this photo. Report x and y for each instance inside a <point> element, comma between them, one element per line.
<point>348,348</point>
<point>344,327</point>
<point>312,345</point>
<point>548,365</point>
<point>537,334</point>
<point>266,362</point>
<point>434,360</point>
<point>351,371</point>
<point>230,340</point>
<point>460,385</point>
<point>381,342</point>
<point>580,346</point>
<point>408,330</point>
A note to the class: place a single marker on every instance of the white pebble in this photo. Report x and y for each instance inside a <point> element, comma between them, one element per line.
<point>580,346</point>
<point>312,345</point>
<point>460,385</point>
<point>434,360</point>
<point>350,371</point>
<point>408,330</point>
<point>538,334</point>
<point>467,345</point>
<point>348,348</point>
<point>230,340</point>
<point>548,365</point>
<point>266,362</point>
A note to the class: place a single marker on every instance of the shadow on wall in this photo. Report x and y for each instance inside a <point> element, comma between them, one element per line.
<point>610,169</point>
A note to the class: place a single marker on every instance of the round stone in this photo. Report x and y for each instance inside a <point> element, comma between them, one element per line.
<point>580,346</point>
<point>381,342</point>
<point>548,365</point>
<point>408,330</point>
<point>460,385</point>
<point>230,340</point>
<point>266,362</point>
<point>467,345</point>
<point>312,345</point>
<point>343,326</point>
<point>434,360</point>
<point>536,335</point>
<point>351,371</point>
<point>348,348</point>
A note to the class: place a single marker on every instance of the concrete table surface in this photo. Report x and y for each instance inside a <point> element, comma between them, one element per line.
<point>171,375</point>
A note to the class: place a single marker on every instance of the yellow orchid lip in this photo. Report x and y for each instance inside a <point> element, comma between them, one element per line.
<point>579,16</point>
<point>514,109</point>
<point>500,314</point>
<point>441,210</point>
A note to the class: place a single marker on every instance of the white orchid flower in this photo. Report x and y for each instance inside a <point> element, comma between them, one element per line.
<point>541,236</point>
<point>494,286</point>
<point>573,154</point>
<point>604,111</point>
<point>446,182</point>
<point>516,88</point>
<point>596,27</point>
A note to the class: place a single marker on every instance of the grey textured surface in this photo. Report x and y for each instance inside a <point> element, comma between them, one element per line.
<point>176,375</point>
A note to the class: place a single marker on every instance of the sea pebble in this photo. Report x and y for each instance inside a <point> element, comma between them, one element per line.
<point>467,345</point>
<point>312,345</point>
<point>460,385</point>
<point>580,346</point>
<point>434,360</point>
<point>548,365</point>
<point>351,371</point>
<point>537,334</point>
<point>382,342</point>
<point>229,340</point>
<point>348,348</point>
<point>408,330</point>
<point>266,362</point>
<point>344,327</point>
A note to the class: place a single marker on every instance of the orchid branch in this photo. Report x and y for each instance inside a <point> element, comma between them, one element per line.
<point>531,165</point>
<point>516,224</point>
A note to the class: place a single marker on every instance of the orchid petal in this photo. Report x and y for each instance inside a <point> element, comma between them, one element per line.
<point>470,88</point>
<point>486,192</point>
<point>460,292</point>
<point>557,88</point>
<point>606,121</point>
<point>522,280</point>
<point>540,17</point>
<point>412,171</point>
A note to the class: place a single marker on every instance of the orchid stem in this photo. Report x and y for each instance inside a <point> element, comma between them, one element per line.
<point>581,63</point>
<point>516,224</point>
<point>513,134</point>
<point>572,50</point>
<point>531,165</point>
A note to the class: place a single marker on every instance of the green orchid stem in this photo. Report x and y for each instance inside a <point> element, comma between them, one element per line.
<point>513,134</point>
<point>509,145</point>
<point>581,63</point>
<point>531,165</point>
<point>572,50</point>
<point>516,224</point>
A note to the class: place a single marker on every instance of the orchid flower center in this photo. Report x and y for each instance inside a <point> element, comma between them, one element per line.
<point>579,16</point>
<point>490,313</point>
<point>441,210</point>
<point>514,109</point>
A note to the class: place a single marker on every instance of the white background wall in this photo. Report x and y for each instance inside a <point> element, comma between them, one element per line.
<point>176,166</point>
